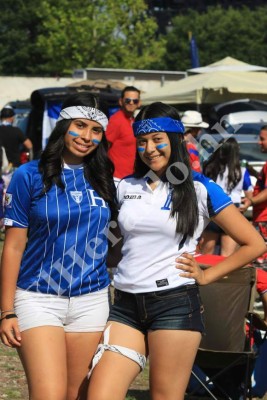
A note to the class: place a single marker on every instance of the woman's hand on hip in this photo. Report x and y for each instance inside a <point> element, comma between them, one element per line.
<point>191,269</point>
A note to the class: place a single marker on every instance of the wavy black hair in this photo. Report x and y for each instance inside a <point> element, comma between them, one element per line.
<point>98,168</point>
<point>184,199</point>
<point>227,155</point>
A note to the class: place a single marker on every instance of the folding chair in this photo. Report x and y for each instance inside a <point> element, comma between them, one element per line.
<point>226,354</point>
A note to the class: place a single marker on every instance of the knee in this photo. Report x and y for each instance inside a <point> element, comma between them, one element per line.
<point>104,393</point>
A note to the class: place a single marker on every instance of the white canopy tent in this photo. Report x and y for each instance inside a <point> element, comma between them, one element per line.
<point>210,88</point>
<point>227,64</point>
<point>14,88</point>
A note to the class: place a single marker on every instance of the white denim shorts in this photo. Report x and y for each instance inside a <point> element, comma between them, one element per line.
<point>85,313</point>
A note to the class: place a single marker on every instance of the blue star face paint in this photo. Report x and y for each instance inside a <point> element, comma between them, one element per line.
<point>140,149</point>
<point>73,133</point>
<point>95,141</point>
<point>161,146</point>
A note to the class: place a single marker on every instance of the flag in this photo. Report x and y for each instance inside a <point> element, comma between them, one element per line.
<point>194,53</point>
<point>51,113</point>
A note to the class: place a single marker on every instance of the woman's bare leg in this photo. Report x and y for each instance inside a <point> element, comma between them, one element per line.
<point>43,355</point>
<point>171,357</point>
<point>114,373</point>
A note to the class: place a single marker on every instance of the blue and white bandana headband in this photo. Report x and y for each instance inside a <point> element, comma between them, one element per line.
<point>161,124</point>
<point>84,112</point>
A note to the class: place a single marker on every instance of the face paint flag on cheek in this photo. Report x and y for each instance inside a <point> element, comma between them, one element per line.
<point>161,146</point>
<point>73,133</point>
<point>140,149</point>
<point>95,141</point>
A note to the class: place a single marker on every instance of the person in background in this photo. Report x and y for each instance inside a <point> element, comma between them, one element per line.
<point>12,137</point>
<point>259,199</point>
<point>13,140</point>
<point>193,123</point>
<point>157,309</point>
<point>120,133</point>
<point>54,282</point>
<point>225,169</point>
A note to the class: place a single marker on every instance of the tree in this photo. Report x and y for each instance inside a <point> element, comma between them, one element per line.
<point>58,37</point>
<point>239,33</point>
<point>19,28</point>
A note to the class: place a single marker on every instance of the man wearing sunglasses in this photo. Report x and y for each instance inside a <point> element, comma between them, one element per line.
<point>120,135</point>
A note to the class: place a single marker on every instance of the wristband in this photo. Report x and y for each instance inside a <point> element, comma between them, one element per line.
<point>9,316</point>
<point>4,312</point>
<point>252,203</point>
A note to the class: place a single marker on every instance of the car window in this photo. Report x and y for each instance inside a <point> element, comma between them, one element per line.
<point>249,148</point>
<point>21,120</point>
<point>251,152</point>
<point>245,129</point>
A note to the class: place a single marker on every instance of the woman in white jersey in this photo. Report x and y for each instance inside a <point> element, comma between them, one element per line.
<point>54,280</point>
<point>157,309</point>
<point>225,169</point>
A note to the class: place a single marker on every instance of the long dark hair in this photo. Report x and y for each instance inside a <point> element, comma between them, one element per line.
<point>226,156</point>
<point>184,200</point>
<point>98,168</point>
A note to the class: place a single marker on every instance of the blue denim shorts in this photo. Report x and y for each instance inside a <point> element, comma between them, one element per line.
<point>172,309</point>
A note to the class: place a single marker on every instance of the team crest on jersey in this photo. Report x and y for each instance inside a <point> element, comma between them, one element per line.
<point>77,196</point>
<point>8,200</point>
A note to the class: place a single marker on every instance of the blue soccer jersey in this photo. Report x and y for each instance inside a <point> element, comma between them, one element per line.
<point>67,242</point>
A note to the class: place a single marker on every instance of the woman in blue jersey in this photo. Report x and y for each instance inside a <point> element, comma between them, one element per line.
<point>54,280</point>
<point>157,309</point>
<point>225,169</point>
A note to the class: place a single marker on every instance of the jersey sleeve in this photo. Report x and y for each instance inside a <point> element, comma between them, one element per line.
<point>211,197</point>
<point>18,200</point>
<point>247,185</point>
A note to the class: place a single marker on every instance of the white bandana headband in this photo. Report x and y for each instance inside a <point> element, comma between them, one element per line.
<point>84,112</point>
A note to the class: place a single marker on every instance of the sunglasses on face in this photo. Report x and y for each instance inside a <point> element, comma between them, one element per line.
<point>128,101</point>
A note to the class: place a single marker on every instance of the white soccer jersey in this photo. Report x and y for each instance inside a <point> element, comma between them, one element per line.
<point>243,184</point>
<point>151,244</point>
<point>67,241</point>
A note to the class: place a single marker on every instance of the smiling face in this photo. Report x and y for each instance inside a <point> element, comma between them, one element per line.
<point>155,150</point>
<point>263,140</point>
<point>81,139</point>
<point>130,102</point>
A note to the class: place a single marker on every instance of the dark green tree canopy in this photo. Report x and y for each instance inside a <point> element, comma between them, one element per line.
<point>54,38</point>
<point>239,33</point>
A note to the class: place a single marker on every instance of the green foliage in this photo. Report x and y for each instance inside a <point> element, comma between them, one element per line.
<point>239,33</point>
<point>56,37</point>
<point>19,28</point>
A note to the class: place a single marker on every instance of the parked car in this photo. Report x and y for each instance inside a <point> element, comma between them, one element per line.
<point>235,107</point>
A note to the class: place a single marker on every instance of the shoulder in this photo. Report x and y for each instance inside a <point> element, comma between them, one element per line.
<point>201,179</point>
<point>116,116</point>
<point>26,180</point>
<point>27,170</point>
<point>205,183</point>
<point>210,193</point>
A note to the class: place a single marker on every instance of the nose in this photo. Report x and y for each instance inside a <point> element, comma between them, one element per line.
<point>86,135</point>
<point>150,146</point>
